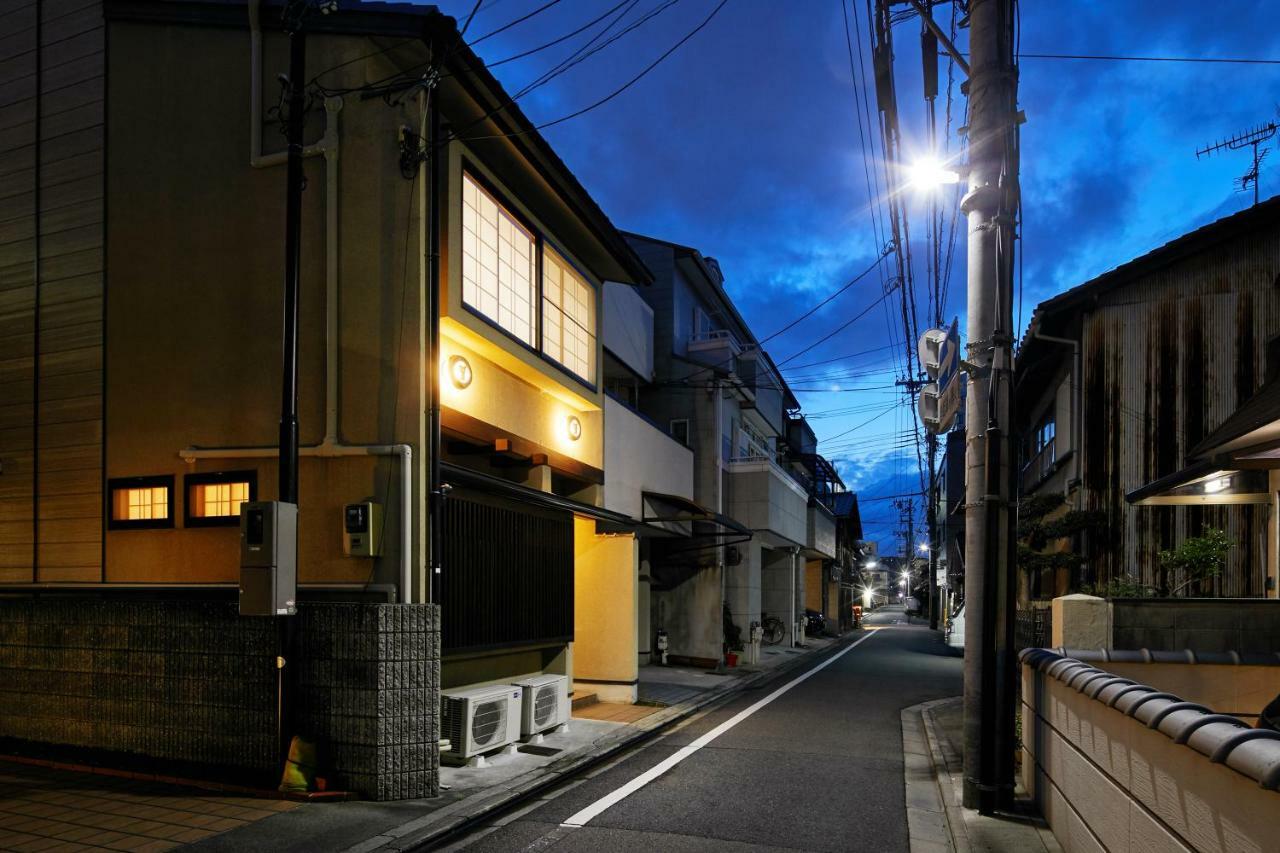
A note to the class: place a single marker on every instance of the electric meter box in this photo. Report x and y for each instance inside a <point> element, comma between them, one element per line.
<point>362,529</point>
<point>268,558</point>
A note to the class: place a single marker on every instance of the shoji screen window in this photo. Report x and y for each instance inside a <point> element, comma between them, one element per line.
<point>214,499</point>
<point>140,503</point>
<point>497,263</point>
<point>568,316</point>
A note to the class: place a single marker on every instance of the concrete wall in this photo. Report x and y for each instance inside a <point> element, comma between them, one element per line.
<point>820,530</point>
<point>640,458</point>
<point>606,588</point>
<point>123,682</point>
<point>691,613</point>
<point>627,328</point>
<point>1105,781</point>
<point>1227,688</point>
<point>782,589</point>
<point>764,498</point>
<point>743,591</point>
<point>1203,625</point>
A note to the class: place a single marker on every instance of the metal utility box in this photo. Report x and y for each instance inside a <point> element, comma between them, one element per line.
<point>362,529</point>
<point>268,558</point>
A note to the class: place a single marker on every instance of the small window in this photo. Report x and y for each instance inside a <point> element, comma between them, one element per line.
<point>213,500</point>
<point>680,431</point>
<point>498,263</point>
<point>140,503</point>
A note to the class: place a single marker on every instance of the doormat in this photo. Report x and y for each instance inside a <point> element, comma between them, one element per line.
<point>531,749</point>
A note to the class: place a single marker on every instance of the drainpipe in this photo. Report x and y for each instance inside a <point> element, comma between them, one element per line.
<point>330,445</point>
<point>332,450</point>
<point>1077,414</point>
<point>795,562</point>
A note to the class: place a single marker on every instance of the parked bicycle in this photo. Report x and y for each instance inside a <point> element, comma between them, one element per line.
<point>774,630</point>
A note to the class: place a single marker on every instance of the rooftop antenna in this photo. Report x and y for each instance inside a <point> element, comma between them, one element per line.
<point>1254,138</point>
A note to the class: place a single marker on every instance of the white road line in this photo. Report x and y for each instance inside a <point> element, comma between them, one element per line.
<point>613,798</point>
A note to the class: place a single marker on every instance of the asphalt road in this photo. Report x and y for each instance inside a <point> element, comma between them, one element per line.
<point>817,768</point>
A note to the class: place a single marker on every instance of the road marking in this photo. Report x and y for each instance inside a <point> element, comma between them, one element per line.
<point>609,800</point>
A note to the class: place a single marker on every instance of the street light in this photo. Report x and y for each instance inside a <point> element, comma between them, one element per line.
<point>928,173</point>
<point>924,547</point>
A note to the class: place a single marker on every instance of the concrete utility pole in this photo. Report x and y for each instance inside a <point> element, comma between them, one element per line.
<point>990,204</point>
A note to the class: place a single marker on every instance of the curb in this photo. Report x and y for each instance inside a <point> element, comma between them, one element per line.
<point>456,818</point>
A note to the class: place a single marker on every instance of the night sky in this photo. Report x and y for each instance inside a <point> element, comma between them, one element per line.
<point>745,143</point>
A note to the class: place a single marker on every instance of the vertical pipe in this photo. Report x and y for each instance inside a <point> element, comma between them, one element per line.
<point>288,485</point>
<point>292,265</point>
<point>438,158</point>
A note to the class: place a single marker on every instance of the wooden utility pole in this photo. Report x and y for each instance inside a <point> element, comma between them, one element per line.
<point>990,205</point>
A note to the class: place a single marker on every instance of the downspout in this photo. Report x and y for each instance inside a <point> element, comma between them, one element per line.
<point>1077,415</point>
<point>330,445</point>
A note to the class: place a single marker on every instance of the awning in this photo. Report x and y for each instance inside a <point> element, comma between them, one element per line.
<point>674,509</point>
<point>458,475</point>
<point>1204,482</point>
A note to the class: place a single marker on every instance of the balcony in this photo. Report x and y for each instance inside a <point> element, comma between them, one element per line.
<point>1039,467</point>
<point>820,532</point>
<point>628,328</point>
<point>715,347</point>
<point>640,457</point>
<point>765,498</point>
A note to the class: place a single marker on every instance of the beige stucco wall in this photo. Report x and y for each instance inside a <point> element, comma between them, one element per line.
<point>1104,781</point>
<point>1225,688</point>
<point>606,586</point>
<point>196,261</point>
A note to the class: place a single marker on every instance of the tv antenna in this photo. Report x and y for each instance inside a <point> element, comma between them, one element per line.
<point>1253,138</point>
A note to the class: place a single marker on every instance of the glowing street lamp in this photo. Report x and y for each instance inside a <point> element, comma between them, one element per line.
<point>928,173</point>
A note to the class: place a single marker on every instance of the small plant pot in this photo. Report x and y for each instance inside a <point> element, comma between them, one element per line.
<point>730,659</point>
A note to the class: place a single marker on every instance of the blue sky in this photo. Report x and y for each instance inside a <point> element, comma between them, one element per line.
<point>745,144</point>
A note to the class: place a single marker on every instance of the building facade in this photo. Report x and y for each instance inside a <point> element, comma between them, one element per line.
<point>141,270</point>
<point>1119,381</point>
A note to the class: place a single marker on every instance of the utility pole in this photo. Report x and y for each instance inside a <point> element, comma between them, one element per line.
<point>931,511</point>
<point>990,205</point>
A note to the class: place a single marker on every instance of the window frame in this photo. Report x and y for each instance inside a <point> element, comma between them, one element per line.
<point>115,484</point>
<point>540,242</point>
<point>210,478</point>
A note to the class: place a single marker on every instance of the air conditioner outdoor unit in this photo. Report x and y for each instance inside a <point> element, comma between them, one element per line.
<point>546,703</point>
<point>479,720</point>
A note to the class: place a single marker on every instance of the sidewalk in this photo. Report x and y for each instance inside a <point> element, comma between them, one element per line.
<point>668,695</point>
<point>931,736</point>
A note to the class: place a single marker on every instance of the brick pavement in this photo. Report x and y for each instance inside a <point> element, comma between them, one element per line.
<point>50,809</point>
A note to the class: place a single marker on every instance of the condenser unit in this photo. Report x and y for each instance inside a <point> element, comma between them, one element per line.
<point>545,704</point>
<point>478,720</point>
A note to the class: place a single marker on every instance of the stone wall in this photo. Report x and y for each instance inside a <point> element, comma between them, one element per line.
<point>1201,624</point>
<point>192,683</point>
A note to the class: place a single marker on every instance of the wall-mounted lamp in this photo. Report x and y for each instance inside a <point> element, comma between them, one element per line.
<point>573,427</point>
<point>460,372</point>
<point>1214,486</point>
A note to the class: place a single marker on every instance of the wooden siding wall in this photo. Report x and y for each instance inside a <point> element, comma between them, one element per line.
<point>52,155</point>
<point>1167,358</point>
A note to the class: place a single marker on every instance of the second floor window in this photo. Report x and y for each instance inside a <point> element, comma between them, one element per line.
<point>568,316</point>
<point>497,263</point>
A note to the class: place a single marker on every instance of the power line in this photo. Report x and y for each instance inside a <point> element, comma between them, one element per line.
<point>616,92</point>
<point>1220,60</point>
<point>883,254</point>
<point>841,327</point>
<point>544,7</point>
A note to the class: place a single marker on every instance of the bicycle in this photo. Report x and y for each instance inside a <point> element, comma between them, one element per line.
<point>774,630</point>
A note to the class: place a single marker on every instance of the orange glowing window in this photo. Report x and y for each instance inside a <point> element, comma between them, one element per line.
<point>141,502</point>
<point>214,499</point>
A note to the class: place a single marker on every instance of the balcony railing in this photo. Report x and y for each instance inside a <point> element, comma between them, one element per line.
<point>1039,466</point>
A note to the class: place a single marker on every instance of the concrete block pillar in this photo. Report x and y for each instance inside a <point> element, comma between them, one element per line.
<point>1081,622</point>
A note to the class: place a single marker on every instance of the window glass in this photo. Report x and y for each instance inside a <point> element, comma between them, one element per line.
<point>568,316</point>
<point>217,500</point>
<point>497,262</point>
<point>142,502</point>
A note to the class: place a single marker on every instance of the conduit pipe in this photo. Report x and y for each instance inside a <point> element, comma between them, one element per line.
<point>330,445</point>
<point>331,450</point>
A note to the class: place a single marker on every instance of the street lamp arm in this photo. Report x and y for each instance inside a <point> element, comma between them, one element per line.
<point>942,37</point>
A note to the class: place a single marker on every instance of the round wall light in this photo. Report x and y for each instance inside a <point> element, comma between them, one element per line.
<point>460,371</point>
<point>573,427</point>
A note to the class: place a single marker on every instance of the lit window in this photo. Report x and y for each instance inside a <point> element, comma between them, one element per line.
<point>568,316</point>
<point>497,262</point>
<point>214,499</point>
<point>140,502</point>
